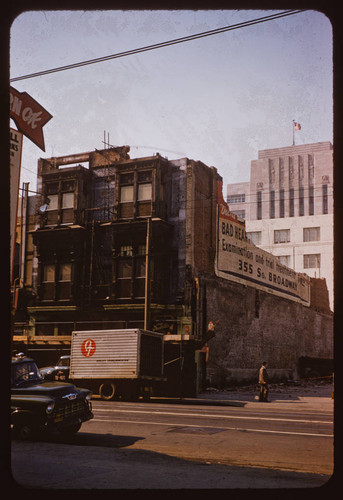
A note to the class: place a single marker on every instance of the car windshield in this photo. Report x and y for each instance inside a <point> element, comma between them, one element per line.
<point>63,362</point>
<point>24,372</point>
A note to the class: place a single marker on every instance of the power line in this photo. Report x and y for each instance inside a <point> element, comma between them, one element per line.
<point>162,44</point>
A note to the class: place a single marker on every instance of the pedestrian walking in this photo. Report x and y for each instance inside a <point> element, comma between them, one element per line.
<point>263,380</point>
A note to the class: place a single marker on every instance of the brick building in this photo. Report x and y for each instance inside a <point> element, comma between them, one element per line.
<point>122,243</point>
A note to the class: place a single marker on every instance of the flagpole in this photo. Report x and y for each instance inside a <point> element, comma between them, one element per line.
<point>293,131</point>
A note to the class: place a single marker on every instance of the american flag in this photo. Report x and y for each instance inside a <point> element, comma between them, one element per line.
<point>297,126</point>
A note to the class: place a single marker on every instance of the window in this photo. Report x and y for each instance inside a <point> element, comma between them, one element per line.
<point>141,250</point>
<point>310,168</point>
<point>126,178</point>
<point>126,188</point>
<point>311,234</point>
<point>125,269</point>
<point>47,291</point>
<point>281,171</point>
<point>68,200</point>
<point>131,270</point>
<point>140,267</point>
<point>126,194</point>
<point>144,192</point>
<point>239,213</point>
<point>259,205</point>
<point>271,172</point>
<point>272,205</point>
<point>256,237</point>
<point>125,251</point>
<point>124,275</point>
<point>284,260</point>
<point>63,290</point>
<point>144,185</point>
<point>145,176</point>
<point>49,273</point>
<point>64,272</point>
<point>301,168</point>
<point>311,201</point>
<point>52,188</point>
<point>301,201</point>
<point>325,198</point>
<point>281,236</point>
<point>53,202</point>
<point>68,185</point>
<point>290,168</point>
<point>44,329</point>
<point>291,202</point>
<point>282,202</point>
<point>236,198</point>
<point>311,261</point>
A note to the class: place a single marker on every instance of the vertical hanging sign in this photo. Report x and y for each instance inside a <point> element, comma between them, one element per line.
<point>30,118</point>
<point>16,146</point>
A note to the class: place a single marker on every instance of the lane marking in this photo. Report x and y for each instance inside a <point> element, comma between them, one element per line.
<point>217,416</point>
<point>223,428</point>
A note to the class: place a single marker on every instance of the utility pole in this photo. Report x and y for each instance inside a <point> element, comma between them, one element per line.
<point>147,276</point>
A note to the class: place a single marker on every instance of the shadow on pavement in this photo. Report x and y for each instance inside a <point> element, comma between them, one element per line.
<point>88,439</point>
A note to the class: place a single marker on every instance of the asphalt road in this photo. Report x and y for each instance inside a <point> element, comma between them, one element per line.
<point>191,444</point>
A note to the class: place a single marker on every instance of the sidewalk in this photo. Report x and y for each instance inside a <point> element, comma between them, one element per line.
<point>316,398</point>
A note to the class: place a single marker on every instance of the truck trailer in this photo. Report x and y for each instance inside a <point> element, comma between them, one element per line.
<point>118,364</point>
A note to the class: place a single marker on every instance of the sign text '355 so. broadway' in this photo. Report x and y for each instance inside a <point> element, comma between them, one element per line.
<point>238,259</point>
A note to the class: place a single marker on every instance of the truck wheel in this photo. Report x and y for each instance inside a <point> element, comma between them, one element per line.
<point>23,429</point>
<point>107,391</point>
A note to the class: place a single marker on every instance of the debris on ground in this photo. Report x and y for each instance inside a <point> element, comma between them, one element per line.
<point>302,385</point>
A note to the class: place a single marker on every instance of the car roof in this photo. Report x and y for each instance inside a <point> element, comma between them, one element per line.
<point>21,359</point>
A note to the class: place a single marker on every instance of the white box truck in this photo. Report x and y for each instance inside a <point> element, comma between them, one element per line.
<point>115,364</point>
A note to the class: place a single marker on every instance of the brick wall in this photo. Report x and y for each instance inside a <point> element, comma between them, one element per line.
<point>255,326</point>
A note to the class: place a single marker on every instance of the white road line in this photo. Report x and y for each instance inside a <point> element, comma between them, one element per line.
<point>177,414</point>
<point>212,427</point>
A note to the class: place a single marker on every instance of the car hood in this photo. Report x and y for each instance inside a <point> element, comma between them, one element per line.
<point>45,388</point>
<point>47,368</point>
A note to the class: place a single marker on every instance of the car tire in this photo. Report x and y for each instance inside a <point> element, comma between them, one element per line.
<point>107,391</point>
<point>23,430</point>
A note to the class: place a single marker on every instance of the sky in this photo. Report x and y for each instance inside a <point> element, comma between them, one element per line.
<point>218,99</point>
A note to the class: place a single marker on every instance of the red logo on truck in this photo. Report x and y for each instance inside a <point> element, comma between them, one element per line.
<point>88,347</point>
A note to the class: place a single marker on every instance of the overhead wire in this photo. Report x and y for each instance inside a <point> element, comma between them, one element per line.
<point>162,44</point>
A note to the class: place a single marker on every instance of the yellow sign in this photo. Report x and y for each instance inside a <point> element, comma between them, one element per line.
<point>16,144</point>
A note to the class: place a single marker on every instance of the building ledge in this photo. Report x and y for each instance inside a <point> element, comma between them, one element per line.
<point>43,339</point>
<point>34,309</point>
<point>138,307</point>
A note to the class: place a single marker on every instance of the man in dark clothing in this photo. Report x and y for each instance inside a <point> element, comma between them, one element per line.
<point>263,380</point>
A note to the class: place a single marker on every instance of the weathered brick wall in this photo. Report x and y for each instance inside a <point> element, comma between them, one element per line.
<point>202,213</point>
<point>255,326</point>
<point>319,295</point>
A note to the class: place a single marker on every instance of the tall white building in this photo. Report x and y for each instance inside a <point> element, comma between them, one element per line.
<point>288,207</point>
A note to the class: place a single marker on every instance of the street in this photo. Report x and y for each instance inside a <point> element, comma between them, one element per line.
<point>200,444</point>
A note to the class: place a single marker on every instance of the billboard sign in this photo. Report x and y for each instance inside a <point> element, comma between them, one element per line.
<point>29,116</point>
<point>16,145</point>
<point>239,260</point>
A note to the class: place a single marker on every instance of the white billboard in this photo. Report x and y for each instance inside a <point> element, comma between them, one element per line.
<point>239,260</point>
